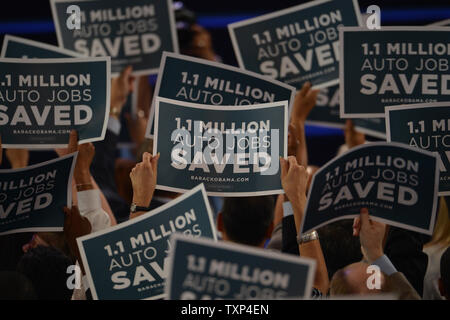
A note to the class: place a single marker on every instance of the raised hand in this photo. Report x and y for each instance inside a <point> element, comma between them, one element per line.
<point>18,157</point>
<point>304,102</point>
<point>353,138</point>
<point>143,179</point>
<point>121,87</point>
<point>371,235</point>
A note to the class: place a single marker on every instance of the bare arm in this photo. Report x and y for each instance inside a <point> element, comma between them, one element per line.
<point>294,179</point>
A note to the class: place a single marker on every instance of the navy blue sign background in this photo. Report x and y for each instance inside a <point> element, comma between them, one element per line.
<point>129,261</point>
<point>392,66</point>
<point>15,47</point>
<point>297,44</point>
<point>171,115</point>
<point>42,100</point>
<point>397,183</point>
<point>132,32</point>
<point>32,198</point>
<point>198,260</point>
<point>200,81</point>
<point>424,126</point>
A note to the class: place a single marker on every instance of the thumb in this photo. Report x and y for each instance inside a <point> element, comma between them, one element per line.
<point>154,162</point>
<point>73,142</point>
<point>284,168</point>
<point>364,214</point>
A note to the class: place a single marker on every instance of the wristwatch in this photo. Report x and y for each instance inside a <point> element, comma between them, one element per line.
<point>313,235</point>
<point>134,208</point>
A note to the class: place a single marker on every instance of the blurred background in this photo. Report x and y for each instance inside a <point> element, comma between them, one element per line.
<point>33,20</point>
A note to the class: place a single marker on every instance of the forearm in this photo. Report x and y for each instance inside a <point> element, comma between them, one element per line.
<point>313,250</point>
<point>301,150</point>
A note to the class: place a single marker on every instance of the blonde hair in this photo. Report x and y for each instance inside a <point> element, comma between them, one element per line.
<point>441,234</point>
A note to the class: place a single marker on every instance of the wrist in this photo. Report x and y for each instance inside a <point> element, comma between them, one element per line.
<point>141,201</point>
<point>82,176</point>
<point>374,254</point>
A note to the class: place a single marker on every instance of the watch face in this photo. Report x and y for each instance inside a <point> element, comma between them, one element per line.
<point>133,207</point>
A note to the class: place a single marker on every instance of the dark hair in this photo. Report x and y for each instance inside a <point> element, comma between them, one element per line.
<point>46,267</point>
<point>445,270</point>
<point>340,248</point>
<point>247,219</point>
<point>15,286</point>
<point>185,19</point>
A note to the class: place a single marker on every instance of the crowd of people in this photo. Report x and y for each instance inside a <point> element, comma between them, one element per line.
<point>34,265</point>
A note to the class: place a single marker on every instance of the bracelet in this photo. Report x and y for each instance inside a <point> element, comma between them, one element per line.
<point>85,186</point>
<point>313,235</point>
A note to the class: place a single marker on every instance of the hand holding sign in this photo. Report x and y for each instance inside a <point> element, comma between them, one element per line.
<point>304,102</point>
<point>18,158</point>
<point>353,137</point>
<point>75,226</point>
<point>371,234</point>
<point>143,179</point>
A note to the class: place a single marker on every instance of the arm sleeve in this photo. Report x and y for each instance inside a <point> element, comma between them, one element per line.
<point>90,206</point>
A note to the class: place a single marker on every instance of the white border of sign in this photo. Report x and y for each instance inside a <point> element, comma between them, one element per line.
<point>442,23</point>
<point>173,31</point>
<point>410,107</point>
<point>233,26</point>
<point>428,231</point>
<point>344,115</point>
<point>63,61</point>
<point>9,38</point>
<point>222,108</point>
<point>254,251</point>
<point>147,215</point>
<point>69,191</point>
<point>212,64</point>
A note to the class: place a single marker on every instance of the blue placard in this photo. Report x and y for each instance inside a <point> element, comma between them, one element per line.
<point>16,47</point>
<point>398,184</point>
<point>129,261</point>
<point>326,111</point>
<point>132,32</point>
<point>424,126</point>
<point>201,81</point>
<point>235,272</point>
<point>392,66</point>
<point>233,150</point>
<point>32,198</point>
<point>297,44</point>
<point>42,100</point>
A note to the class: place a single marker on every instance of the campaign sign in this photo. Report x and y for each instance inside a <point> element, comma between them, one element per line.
<point>235,272</point>
<point>129,261</point>
<point>132,32</point>
<point>15,47</point>
<point>397,183</point>
<point>375,127</point>
<point>32,198</point>
<point>42,100</point>
<point>424,126</point>
<point>394,65</point>
<point>201,81</point>
<point>326,111</point>
<point>297,44</point>
<point>233,150</point>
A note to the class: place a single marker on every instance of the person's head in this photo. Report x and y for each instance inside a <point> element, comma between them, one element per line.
<point>444,280</point>
<point>441,233</point>
<point>354,280</point>
<point>342,252</point>
<point>15,286</point>
<point>46,268</point>
<point>247,220</point>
